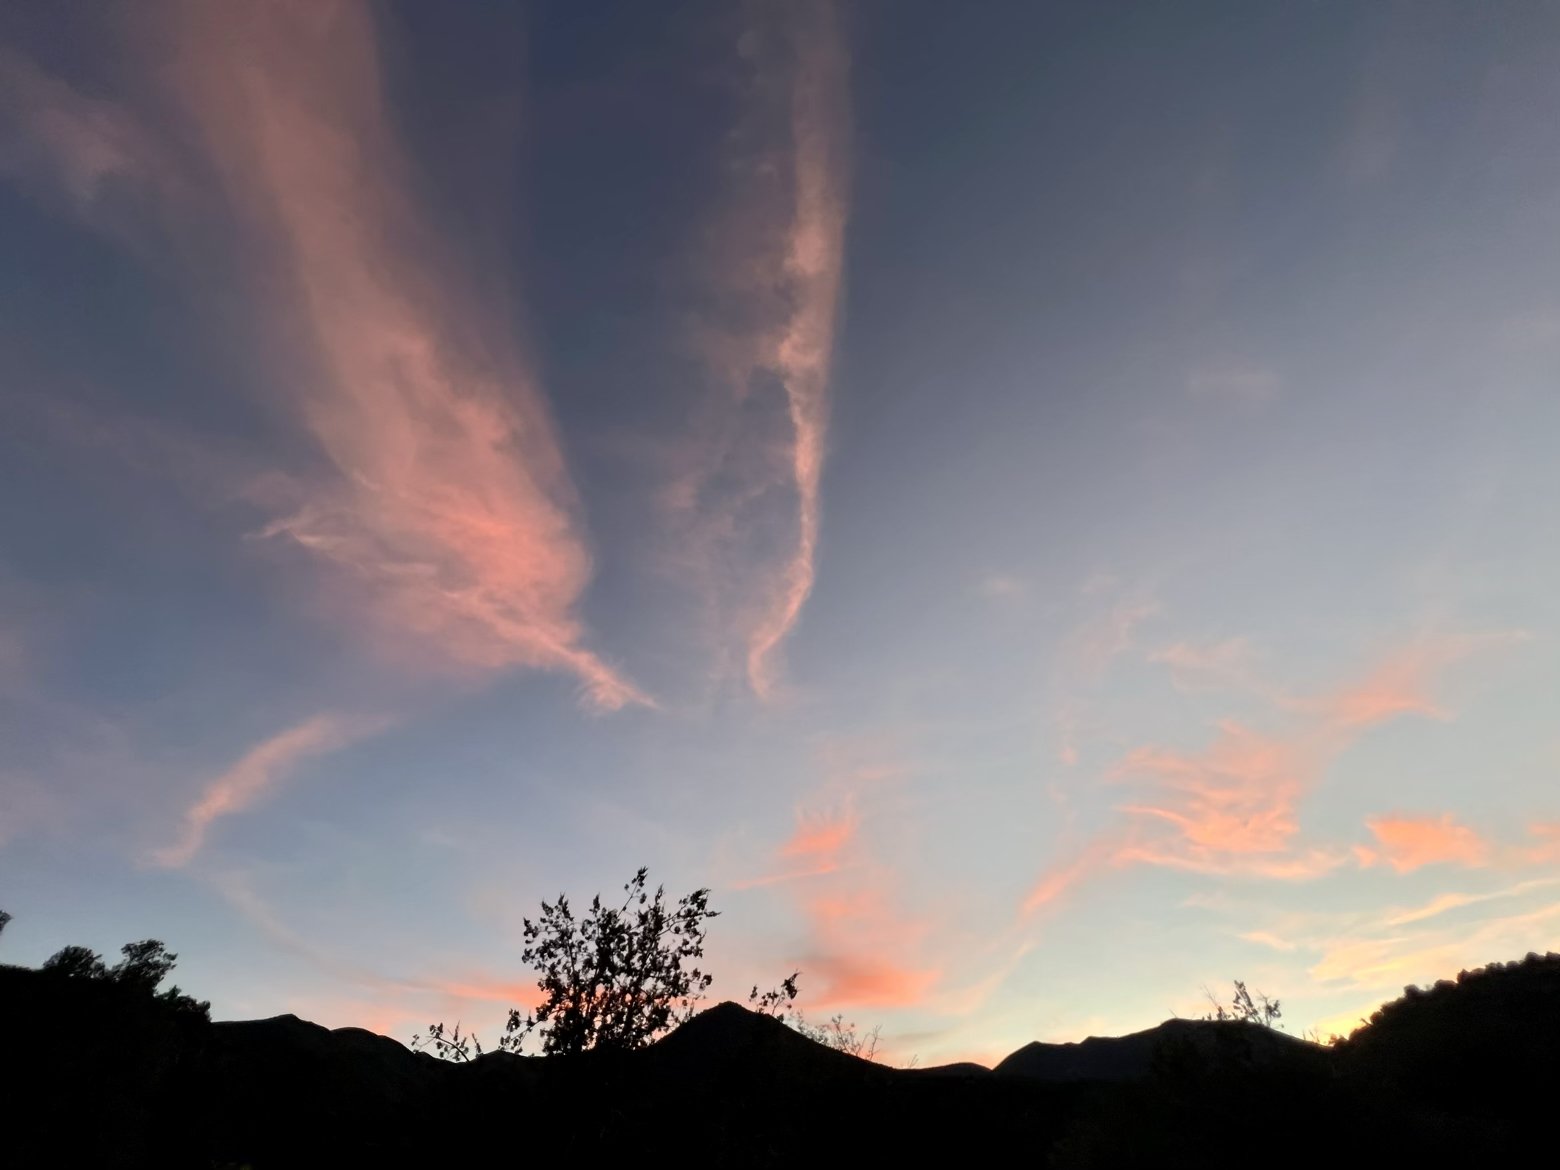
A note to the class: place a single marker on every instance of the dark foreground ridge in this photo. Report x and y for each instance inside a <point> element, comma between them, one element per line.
<point>1463,1073</point>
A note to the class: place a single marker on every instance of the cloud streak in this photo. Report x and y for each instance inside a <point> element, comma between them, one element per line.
<point>747,492</point>
<point>1409,843</point>
<point>253,778</point>
<point>443,497</point>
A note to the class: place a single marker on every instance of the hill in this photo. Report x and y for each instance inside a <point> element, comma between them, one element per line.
<point>110,1079</point>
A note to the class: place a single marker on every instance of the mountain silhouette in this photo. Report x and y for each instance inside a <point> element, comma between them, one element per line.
<point>109,1078</point>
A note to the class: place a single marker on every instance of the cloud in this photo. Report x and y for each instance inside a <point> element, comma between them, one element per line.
<point>53,138</point>
<point>1408,843</point>
<point>1445,903</point>
<point>1236,384</point>
<point>861,949</point>
<point>1218,665</point>
<point>1062,878</point>
<point>1401,683</point>
<point>1268,939</point>
<point>1002,587</point>
<point>1548,847</point>
<point>1233,807</point>
<point>442,503</point>
<point>865,981</point>
<point>755,479</point>
<point>255,776</point>
<point>814,849</point>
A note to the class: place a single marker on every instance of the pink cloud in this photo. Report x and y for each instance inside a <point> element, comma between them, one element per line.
<point>1547,848</point>
<point>1060,879</point>
<point>1199,667</point>
<point>256,775</point>
<point>1403,681</point>
<point>1234,806</point>
<point>862,949</point>
<point>1230,806</point>
<point>865,981</point>
<point>443,498</point>
<point>749,490</point>
<point>820,836</point>
<point>1408,843</point>
<point>814,849</point>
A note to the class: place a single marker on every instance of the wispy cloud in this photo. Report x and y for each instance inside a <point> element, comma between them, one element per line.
<point>256,775</point>
<point>861,951</point>
<point>442,496</point>
<point>1218,665</point>
<point>777,281</point>
<point>1237,384</point>
<point>55,139</point>
<point>816,847</point>
<point>1402,682</point>
<point>1408,843</point>
<point>1233,807</point>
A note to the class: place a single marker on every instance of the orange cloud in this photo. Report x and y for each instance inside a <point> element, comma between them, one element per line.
<point>864,981</point>
<point>1235,803</point>
<point>817,843</point>
<point>1407,843</point>
<point>256,774</point>
<point>1233,808</point>
<point>445,500</point>
<point>861,949</point>
<point>1401,683</point>
<point>820,836</point>
<point>1060,879</point>
<point>1548,847</point>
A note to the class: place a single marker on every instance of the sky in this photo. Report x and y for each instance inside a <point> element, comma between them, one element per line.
<point>1044,509</point>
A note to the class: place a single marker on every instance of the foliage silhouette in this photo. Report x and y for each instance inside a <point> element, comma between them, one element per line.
<point>1245,1008</point>
<point>4,918</point>
<point>618,977</point>
<point>453,1045</point>
<point>837,1034</point>
<point>144,966</point>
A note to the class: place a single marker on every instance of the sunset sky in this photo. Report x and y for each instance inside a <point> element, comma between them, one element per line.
<point>1041,507</point>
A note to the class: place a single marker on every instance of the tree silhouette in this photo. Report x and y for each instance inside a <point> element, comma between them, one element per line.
<point>145,965</point>
<point>75,962</point>
<point>618,977</point>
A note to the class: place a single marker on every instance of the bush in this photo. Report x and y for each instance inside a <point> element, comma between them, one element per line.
<point>836,1034</point>
<point>617,978</point>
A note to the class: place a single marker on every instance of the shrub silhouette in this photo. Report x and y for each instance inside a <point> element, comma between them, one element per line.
<point>1244,1008</point>
<point>618,977</point>
<point>837,1034</point>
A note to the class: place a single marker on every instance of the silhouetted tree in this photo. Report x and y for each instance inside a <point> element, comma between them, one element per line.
<point>618,977</point>
<point>776,1001</point>
<point>4,918</point>
<point>453,1045</point>
<point>145,965</point>
<point>76,963</point>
